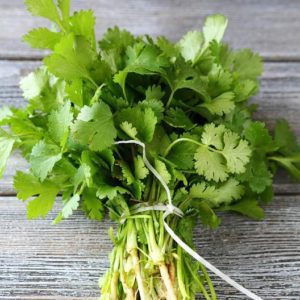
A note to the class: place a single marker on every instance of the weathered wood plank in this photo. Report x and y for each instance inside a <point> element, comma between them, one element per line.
<point>279,98</point>
<point>269,26</point>
<point>40,261</point>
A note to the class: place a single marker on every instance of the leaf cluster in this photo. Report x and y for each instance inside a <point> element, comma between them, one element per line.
<point>187,101</point>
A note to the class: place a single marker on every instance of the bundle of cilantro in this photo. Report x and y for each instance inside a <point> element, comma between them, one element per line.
<point>186,102</point>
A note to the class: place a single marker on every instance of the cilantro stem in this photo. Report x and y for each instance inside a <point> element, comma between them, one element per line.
<point>179,141</point>
<point>209,282</point>
<point>202,288</point>
<point>170,99</point>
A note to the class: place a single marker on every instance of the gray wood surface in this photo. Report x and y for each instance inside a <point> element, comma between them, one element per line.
<point>269,26</point>
<point>40,261</point>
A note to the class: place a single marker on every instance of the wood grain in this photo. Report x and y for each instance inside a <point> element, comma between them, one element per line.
<point>270,27</point>
<point>40,261</point>
<point>279,98</point>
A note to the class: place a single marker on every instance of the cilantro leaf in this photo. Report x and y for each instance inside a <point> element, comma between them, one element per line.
<point>83,23</point>
<point>92,206</point>
<point>231,154</point>
<point>214,28</point>
<point>190,45</point>
<point>247,64</point>
<point>182,155</point>
<point>33,84</point>
<point>59,122</point>
<point>222,104</point>
<point>72,58</point>
<point>6,147</point>
<point>206,214</point>
<point>257,174</point>
<point>217,195</point>
<point>143,120</point>
<point>285,139</point>
<point>236,152</point>
<point>258,135</point>
<point>43,8</point>
<point>43,158</point>
<point>247,207</point>
<point>45,192</point>
<point>210,164</point>
<point>64,7</point>
<point>140,169</point>
<point>95,127</point>
<point>42,38</point>
<point>178,118</point>
<point>69,206</point>
<point>162,170</point>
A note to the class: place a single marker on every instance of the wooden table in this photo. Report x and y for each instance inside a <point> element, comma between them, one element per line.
<point>40,261</point>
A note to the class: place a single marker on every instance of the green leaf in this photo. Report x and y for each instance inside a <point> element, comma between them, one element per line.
<point>143,120</point>
<point>206,214</point>
<point>221,105</point>
<point>59,122</point>
<point>33,84</point>
<point>154,92</point>
<point>5,115</point>
<point>113,47</point>
<point>257,174</point>
<point>127,175</point>
<point>129,129</point>
<point>285,138</point>
<point>95,127</point>
<point>6,147</point>
<point>191,45</point>
<point>43,8</point>
<point>214,28</point>
<point>106,191</point>
<point>219,81</point>
<point>213,135</point>
<point>236,151</point>
<point>258,136</point>
<point>64,6</point>
<point>162,170</point>
<point>156,105</point>
<point>72,58</point>
<point>44,192</point>
<point>42,38</point>
<point>74,91</point>
<point>244,89</point>
<point>290,163</point>
<point>247,64</point>
<point>69,206</point>
<point>182,155</point>
<point>142,59</point>
<point>210,164</point>
<point>140,170</point>
<point>217,195</point>
<point>176,117</point>
<point>231,154</point>
<point>92,206</point>
<point>247,207</point>
<point>43,158</point>
<point>83,23</point>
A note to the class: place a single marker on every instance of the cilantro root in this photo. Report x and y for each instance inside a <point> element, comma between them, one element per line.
<point>187,103</point>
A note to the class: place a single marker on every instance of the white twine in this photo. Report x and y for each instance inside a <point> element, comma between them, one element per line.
<point>172,209</point>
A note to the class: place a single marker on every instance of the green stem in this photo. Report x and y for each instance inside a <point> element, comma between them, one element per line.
<point>170,98</point>
<point>179,141</point>
<point>202,288</point>
<point>209,282</point>
<point>180,276</point>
